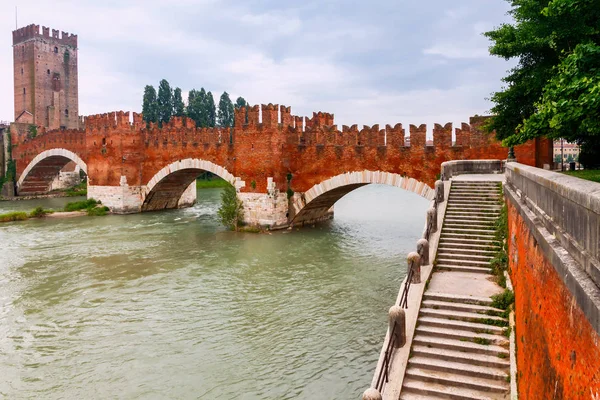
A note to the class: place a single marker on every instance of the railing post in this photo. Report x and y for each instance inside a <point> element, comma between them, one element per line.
<point>414,263</point>
<point>371,394</point>
<point>432,219</point>
<point>439,191</point>
<point>423,250</point>
<point>397,318</point>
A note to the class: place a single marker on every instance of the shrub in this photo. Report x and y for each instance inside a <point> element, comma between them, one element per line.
<point>81,205</point>
<point>231,211</point>
<point>38,212</point>
<point>97,211</point>
<point>503,300</point>
<point>13,216</point>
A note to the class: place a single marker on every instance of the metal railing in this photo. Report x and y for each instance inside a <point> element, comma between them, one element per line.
<point>430,228</point>
<point>384,376</point>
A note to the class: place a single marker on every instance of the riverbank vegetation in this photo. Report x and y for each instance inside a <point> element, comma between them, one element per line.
<point>231,212</point>
<point>211,182</point>
<point>78,190</point>
<point>92,207</point>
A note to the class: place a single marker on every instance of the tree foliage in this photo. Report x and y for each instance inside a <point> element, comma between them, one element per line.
<point>149,110</point>
<point>241,102</point>
<point>164,102</point>
<point>178,106</point>
<point>554,90</point>
<point>211,110</point>
<point>225,113</point>
<point>231,212</point>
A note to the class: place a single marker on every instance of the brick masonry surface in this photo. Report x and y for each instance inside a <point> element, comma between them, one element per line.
<point>558,351</point>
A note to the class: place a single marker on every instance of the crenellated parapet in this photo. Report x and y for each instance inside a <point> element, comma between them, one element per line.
<point>33,31</point>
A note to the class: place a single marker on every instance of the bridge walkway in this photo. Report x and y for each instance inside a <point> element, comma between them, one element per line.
<point>459,350</point>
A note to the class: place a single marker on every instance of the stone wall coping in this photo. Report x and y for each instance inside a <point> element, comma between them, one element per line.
<point>580,191</point>
<point>459,167</point>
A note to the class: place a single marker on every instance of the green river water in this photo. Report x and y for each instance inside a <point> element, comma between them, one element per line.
<point>170,305</point>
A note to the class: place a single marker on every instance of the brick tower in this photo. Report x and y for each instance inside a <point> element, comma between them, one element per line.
<point>45,70</point>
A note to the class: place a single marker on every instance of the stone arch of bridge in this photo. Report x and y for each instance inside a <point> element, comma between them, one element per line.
<point>167,187</point>
<point>44,168</point>
<point>315,204</point>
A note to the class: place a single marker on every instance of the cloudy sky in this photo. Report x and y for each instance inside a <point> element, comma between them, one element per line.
<point>380,61</point>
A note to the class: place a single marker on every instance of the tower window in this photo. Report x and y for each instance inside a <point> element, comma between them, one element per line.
<point>56,49</point>
<point>48,72</point>
<point>67,112</point>
<point>24,91</point>
<point>21,71</point>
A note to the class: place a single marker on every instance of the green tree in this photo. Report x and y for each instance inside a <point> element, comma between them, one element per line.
<point>178,106</point>
<point>555,83</point>
<point>570,158</point>
<point>557,158</point>
<point>231,212</point>
<point>225,113</point>
<point>211,110</point>
<point>241,102</point>
<point>164,102</point>
<point>149,106</point>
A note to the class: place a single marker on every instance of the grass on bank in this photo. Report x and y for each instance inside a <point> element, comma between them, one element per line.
<point>79,190</point>
<point>211,183</point>
<point>587,174</point>
<point>38,212</point>
<point>90,205</point>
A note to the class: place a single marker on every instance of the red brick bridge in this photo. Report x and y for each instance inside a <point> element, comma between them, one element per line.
<point>287,169</point>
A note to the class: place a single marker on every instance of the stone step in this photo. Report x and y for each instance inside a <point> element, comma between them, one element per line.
<point>461,316</point>
<point>460,325</point>
<point>487,232</point>
<point>476,199</point>
<point>457,345</point>
<point>460,268</point>
<point>460,236</point>
<point>429,390</point>
<point>476,183</point>
<point>458,368</point>
<point>470,205</point>
<point>486,242</point>
<point>471,212</point>
<point>450,379</point>
<point>464,263</point>
<point>475,192</point>
<point>462,335</point>
<point>470,244</point>
<point>461,255</point>
<point>472,216</point>
<point>484,223</point>
<point>453,298</point>
<point>449,224</point>
<point>474,308</point>
<point>458,248</point>
<point>459,356</point>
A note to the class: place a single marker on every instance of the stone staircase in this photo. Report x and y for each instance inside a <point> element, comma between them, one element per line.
<point>459,350</point>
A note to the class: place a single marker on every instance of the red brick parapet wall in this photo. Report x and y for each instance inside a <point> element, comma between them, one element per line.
<point>557,299</point>
<point>272,143</point>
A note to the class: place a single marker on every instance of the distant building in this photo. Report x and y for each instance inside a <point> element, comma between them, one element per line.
<point>45,76</point>
<point>569,151</point>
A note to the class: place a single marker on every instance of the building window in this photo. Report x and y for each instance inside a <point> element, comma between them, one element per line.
<point>48,72</point>
<point>21,70</point>
<point>67,112</point>
<point>24,91</point>
<point>56,49</point>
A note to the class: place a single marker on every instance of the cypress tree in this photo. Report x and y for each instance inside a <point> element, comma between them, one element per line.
<point>211,110</point>
<point>178,106</point>
<point>225,113</point>
<point>149,105</point>
<point>164,102</point>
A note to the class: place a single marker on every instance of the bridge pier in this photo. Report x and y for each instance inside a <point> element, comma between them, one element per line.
<point>122,199</point>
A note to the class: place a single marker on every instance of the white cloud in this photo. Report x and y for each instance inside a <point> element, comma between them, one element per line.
<point>379,63</point>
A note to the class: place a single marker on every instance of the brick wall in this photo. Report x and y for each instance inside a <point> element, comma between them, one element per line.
<point>311,150</point>
<point>558,351</point>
